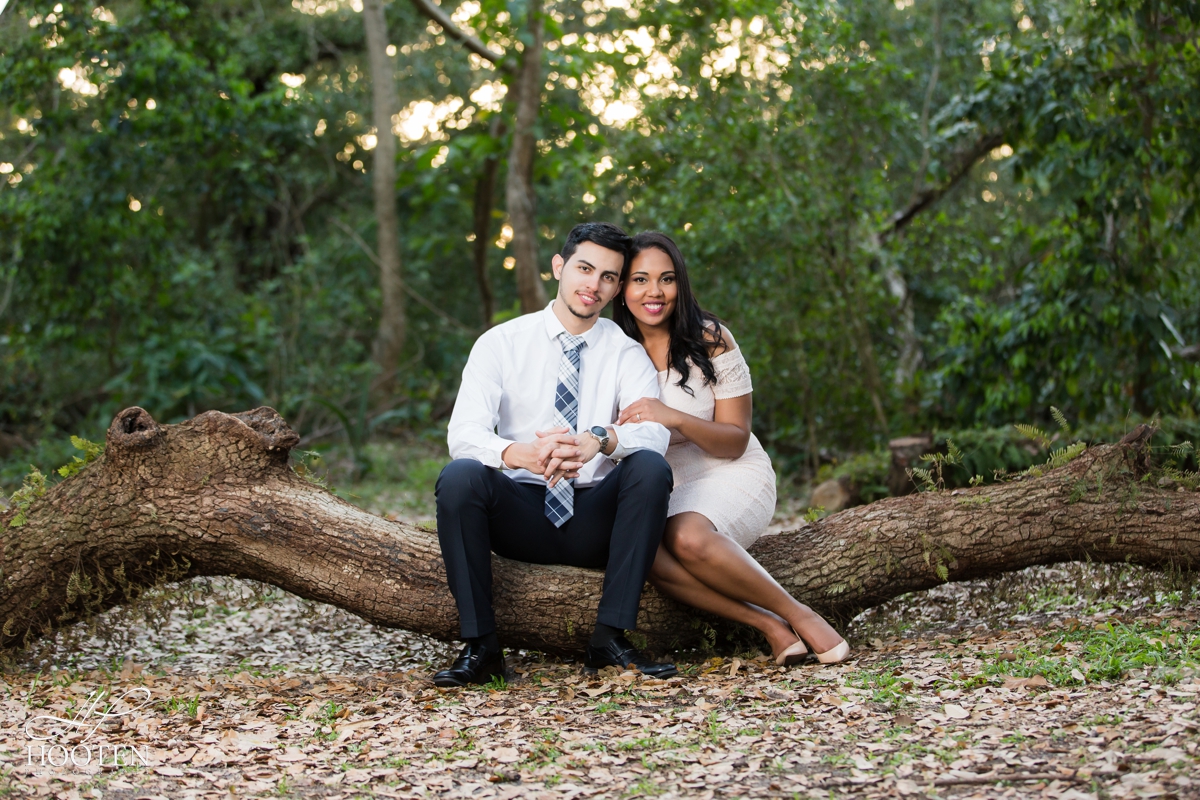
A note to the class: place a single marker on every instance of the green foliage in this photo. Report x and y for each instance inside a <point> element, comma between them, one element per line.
<point>867,472</point>
<point>1174,466</point>
<point>932,478</point>
<point>91,451</point>
<point>207,250</point>
<point>33,487</point>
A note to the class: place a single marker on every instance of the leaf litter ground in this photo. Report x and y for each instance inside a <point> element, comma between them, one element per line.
<point>1076,681</point>
<point>1084,685</point>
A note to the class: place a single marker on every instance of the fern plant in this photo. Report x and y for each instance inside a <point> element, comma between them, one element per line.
<point>33,487</point>
<point>933,478</point>
<point>91,451</point>
<point>1059,457</point>
<point>1187,478</point>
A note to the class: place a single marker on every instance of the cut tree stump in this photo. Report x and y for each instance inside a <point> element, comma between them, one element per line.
<point>215,495</point>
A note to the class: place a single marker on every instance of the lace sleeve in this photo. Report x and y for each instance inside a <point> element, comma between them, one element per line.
<point>733,375</point>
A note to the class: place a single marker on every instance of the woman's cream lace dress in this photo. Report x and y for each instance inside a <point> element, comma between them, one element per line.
<point>736,494</point>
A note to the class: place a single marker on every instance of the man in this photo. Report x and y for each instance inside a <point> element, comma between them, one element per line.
<point>540,472</point>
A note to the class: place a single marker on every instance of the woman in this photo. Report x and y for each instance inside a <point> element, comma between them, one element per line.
<point>724,492</point>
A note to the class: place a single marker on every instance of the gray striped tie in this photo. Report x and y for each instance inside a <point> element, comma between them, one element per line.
<point>560,499</point>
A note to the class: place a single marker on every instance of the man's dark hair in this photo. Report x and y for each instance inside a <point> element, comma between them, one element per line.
<point>605,234</point>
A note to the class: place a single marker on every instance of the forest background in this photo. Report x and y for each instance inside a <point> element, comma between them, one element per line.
<point>914,216</point>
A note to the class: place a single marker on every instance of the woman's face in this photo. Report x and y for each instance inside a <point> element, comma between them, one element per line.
<point>650,290</point>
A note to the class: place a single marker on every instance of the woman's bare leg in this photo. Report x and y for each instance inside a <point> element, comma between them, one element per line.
<point>725,567</point>
<point>670,578</point>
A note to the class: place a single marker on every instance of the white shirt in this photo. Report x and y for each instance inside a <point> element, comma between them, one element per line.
<point>508,386</point>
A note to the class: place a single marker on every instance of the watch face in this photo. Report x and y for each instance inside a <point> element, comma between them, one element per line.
<point>600,431</point>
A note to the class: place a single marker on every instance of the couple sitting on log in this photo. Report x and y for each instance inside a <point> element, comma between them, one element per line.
<point>621,445</point>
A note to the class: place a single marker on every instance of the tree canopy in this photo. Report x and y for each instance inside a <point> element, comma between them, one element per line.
<point>911,214</point>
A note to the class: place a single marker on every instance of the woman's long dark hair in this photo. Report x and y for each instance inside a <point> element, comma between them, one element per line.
<point>688,321</point>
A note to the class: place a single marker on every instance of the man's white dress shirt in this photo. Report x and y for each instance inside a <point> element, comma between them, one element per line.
<point>508,385</point>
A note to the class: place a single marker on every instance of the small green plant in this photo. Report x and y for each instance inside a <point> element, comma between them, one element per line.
<point>91,451</point>
<point>644,788</point>
<point>1171,469</point>
<point>188,706</point>
<point>33,487</point>
<point>305,465</point>
<point>1059,457</point>
<point>713,729</point>
<point>496,684</point>
<point>932,478</point>
<point>814,514</point>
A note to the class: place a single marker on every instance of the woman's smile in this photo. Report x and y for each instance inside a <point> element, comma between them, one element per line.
<point>651,291</point>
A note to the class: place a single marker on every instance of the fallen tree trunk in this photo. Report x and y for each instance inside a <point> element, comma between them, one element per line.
<point>215,496</point>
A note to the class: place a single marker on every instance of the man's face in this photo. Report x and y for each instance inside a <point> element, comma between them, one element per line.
<point>588,279</point>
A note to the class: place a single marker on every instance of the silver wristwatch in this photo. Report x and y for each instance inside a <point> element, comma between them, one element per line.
<point>600,434</point>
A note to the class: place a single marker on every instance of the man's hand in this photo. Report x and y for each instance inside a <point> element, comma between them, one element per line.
<point>555,453</point>
<point>566,462</point>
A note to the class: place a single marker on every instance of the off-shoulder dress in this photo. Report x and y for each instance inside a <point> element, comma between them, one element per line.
<point>736,494</point>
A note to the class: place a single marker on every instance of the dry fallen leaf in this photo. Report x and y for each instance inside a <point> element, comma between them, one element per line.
<point>1016,683</point>
<point>955,711</point>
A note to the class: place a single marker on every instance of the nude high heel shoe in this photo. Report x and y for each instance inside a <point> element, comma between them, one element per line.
<point>793,654</point>
<point>839,653</point>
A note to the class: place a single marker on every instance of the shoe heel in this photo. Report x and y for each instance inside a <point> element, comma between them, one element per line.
<point>792,655</point>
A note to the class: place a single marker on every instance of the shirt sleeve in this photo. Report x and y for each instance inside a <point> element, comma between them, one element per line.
<point>472,429</point>
<point>638,379</point>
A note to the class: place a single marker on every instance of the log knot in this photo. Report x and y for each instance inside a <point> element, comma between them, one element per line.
<point>132,429</point>
<point>273,431</point>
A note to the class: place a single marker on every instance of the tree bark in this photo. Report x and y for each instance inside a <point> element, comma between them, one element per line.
<point>389,339</point>
<point>519,192</point>
<point>215,496</point>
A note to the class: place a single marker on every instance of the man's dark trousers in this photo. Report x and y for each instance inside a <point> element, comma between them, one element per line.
<point>617,526</point>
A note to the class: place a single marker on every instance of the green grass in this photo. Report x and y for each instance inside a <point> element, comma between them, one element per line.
<point>645,787</point>
<point>1104,654</point>
<point>885,684</point>
<point>496,684</point>
<point>174,705</point>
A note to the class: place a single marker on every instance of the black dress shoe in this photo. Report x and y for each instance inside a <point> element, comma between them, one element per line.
<point>477,663</point>
<point>620,653</point>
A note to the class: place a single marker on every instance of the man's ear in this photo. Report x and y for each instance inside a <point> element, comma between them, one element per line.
<point>556,265</point>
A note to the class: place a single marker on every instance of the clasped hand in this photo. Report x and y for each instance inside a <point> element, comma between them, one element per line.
<point>556,454</point>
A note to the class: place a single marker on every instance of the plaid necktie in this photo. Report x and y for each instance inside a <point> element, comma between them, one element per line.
<point>560,500</point>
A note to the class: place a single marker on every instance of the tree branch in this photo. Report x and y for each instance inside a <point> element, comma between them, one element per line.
<point>960,165</point>
<point>433,12</point>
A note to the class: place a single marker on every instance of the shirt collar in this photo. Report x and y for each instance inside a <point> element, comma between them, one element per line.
<point>554,326</point>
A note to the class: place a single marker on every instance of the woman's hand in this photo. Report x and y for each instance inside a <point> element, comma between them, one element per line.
<point>648,409</point>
